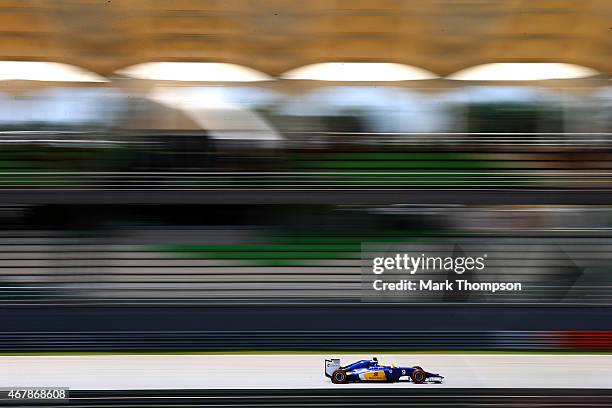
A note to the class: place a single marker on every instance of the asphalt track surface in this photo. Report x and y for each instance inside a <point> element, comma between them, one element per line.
<point>299,371</point>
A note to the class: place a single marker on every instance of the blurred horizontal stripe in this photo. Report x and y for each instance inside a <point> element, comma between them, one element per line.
<point>306,340</point>
<point>268,266</point>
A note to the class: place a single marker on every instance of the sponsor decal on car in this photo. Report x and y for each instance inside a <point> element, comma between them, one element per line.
<point>375,376</point>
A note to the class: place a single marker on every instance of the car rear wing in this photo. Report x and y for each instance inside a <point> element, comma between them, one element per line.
<point>331,365</point>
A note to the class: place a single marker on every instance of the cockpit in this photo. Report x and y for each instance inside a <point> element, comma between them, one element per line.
<point>362,364</point>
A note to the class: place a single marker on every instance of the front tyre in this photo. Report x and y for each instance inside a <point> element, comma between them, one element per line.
<point>418,376</point>
<point>339,377</point>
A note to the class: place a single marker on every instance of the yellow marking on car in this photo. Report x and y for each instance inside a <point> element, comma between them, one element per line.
<point>375,376</point>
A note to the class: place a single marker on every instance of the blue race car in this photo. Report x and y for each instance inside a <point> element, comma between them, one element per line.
<point>371,370</point>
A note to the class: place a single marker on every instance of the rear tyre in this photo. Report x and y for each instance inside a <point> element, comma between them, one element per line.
<point>418,376</point>
<point>339,377</point>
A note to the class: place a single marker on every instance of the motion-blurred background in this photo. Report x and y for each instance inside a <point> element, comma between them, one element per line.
<point>201,174</point>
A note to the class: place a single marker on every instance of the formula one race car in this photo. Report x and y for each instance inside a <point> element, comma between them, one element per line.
<point>370,370</point>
